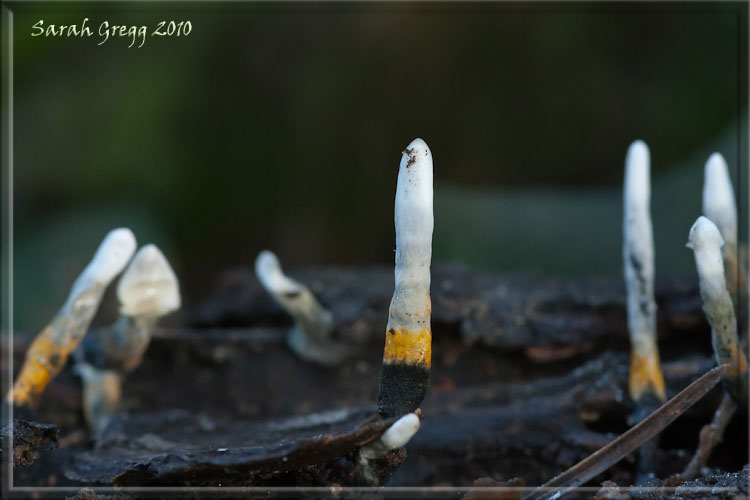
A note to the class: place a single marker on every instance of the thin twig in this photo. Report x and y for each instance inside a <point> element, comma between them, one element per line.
<point>603,459</point>
<point>710,436</point>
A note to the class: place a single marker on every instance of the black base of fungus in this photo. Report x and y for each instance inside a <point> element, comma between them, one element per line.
<point>402,388</point>
<point>647,459</point>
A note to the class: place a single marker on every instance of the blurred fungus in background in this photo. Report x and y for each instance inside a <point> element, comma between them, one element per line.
<point>275,125</point>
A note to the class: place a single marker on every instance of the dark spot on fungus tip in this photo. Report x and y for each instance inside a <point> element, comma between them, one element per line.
<point>292,295</point>
<point>412,157</point>
<point>392,331</point>
<point>402,388</point>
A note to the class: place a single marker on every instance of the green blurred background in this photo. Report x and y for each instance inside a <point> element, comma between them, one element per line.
<point>280,126</point>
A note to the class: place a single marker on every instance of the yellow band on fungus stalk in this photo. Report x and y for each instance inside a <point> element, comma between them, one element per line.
<point>645,375</point>
<point>737,362</point>
<point>44,359</point>
<point>408,346</point>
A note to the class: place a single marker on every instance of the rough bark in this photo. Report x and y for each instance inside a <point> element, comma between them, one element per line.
<point>529,376</point>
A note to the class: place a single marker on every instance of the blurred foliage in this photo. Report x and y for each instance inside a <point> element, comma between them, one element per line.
<point>280,125</point>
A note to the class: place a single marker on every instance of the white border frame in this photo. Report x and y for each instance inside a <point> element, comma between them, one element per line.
<point>6,289</point>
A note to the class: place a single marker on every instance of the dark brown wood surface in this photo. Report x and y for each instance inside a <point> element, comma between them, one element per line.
<point>529,376</point>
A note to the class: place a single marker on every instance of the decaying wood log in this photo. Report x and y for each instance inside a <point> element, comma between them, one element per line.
<point>177,447</point>
<point>529,376</point>
<point>519,311</point>
<point>725,486</point>
<point>533,430</point>
<point>29,440</point>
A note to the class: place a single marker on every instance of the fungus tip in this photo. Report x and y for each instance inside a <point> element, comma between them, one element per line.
<point>413,206</point>
<point>149,286</point>
<point>638,150</point>
<point>637,176</point>
<point>271,276</point>
<point>703,234</point>
<point>706,242</point>
<point>111,257</point>
<point>310,338</point>
<point>718,197</point>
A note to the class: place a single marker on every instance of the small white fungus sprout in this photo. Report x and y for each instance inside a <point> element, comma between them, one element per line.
<point>638,257</point>
<point>706,242</point>
<point>395,437</point>
<point>310,338</point>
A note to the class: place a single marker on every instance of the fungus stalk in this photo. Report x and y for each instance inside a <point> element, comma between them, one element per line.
<point>638,254</point>
<point>147,291</point>
<point>706,241</point>
<point>720,207</point>
<point>408,343</point>
<point>101,395</point>
<point>50,349</point>
<point>366,470</point>
<point>311,337</point>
